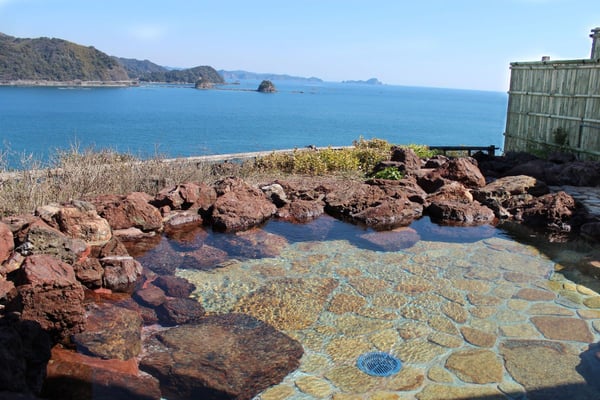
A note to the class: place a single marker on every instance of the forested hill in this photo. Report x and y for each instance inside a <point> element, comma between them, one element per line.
<point>147,71</point>
<point>55,60</point>
<point>58,60</point>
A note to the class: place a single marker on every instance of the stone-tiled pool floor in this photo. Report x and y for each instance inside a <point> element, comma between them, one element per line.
<point>486,319</point>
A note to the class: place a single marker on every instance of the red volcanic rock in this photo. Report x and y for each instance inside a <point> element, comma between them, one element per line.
<point>7,242</point>
<point>131,211</point>
<point>205,258</point>
<point>374,206</point>
<point>51,296</point>
<point>120,273</point>
<point>77,219</point>
<point>552,211</point>
<point>39,238</point>
<point>89,272</point>
<point>7,292</point>
<point>174,286</point>
<point>73,376</point>
<point>407,157</point>
<point>240,206</point>
<point>150,296</point>
<point>301,211</point>
<point>111,332</point>
<point>462,170</point>
<point>178,311</point>
<point>452,212</point>
<point>231,356</point>
<point>186,196</point>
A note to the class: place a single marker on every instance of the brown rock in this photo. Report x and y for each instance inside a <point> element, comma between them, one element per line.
<point>182,224</point>
<point>462,170</point>
<point>120,273</point>
<point>523,186</point>
<point>111,332</point>
<point>476,366</point>
<point>205,258</point>
<point>175,286</point>
<point>8,292</point>
<point>89,272</point>
<point>114,247</point>
<point>150,296</point>
<point>12,264</point>
<point>372,205</point>
<point>178,311</point>
<point>552,211</point>
<point>51,296</point>
<point>79,220</point>
<point>43,239</point>
<point>301,211</point>
<point>407,157</point>
<point>7,242</point>
<point>73,376</point>
<point>131,211</point>
<point>229,356</point>
<point>460,213</point>
<point>563,328</point>
<point>186,196</point>
<point>240,207</point>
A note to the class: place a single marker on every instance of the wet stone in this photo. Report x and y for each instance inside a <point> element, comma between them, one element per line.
<point>477,299</point>
<point>440,375</point>
<point>419,351</point>
<point>445,340</point>
<point>446,392</point>
<point>588,314</point>
<point>343,303</point>
<point>407,379</point>
<point>563,328</point>
<point>455,311</point>
<point>350,379</point>
<point>385,339</point>
<point>354,325</point>
<point>476,366</point>
<point>314,363</point>
<point>477,337</point>
<point>534,295</point>
<point>279,392</point>
<point>314,386</point>
<point>523,331</point>
<point>546,369</point>
<point>342,349</point>
<point>550,309</point>
<point>592,302</point>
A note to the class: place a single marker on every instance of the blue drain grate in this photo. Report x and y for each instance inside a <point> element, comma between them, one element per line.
<point>378,364</point>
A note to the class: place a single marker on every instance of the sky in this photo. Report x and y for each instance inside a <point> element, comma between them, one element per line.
<point>464,44</point>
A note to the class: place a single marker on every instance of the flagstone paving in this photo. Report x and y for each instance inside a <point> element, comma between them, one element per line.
<point>490,319</point>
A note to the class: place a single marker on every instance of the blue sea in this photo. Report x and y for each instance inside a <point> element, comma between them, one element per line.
<point>176,120</point>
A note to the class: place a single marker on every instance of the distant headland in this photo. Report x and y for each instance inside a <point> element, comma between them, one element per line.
<point>372,81</point>
<point>57,62</point>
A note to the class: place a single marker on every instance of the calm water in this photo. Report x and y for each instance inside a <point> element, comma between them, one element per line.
<point>427,294</point>
<point>181,121</point>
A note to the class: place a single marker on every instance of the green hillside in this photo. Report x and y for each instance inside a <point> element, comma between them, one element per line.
<point>55,60</point>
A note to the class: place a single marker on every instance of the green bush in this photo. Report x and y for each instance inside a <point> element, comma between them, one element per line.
<point>391,173</point>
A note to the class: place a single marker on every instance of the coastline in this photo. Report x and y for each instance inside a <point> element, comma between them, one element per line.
<point>73,83</point>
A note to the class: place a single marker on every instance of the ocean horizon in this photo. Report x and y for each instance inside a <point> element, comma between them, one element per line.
<point>181,121</point>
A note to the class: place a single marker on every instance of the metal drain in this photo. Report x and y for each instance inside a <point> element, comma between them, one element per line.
<point>378,363</point>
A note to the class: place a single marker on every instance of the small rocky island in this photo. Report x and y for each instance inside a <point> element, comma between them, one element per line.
<point>266,86</point>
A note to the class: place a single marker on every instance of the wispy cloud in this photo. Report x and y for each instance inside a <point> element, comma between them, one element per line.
<point>145,32</point>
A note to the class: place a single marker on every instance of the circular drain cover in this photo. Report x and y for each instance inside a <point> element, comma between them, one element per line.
<point>378,364</point>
